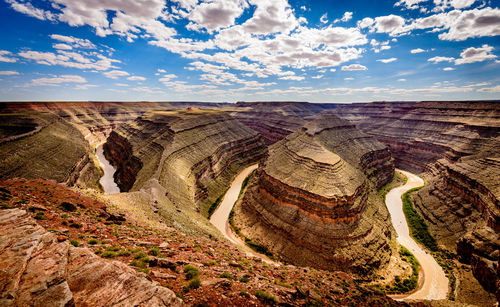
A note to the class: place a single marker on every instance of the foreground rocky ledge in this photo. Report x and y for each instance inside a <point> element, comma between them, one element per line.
<point>37,269</point>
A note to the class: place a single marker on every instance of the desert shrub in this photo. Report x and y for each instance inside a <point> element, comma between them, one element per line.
<point>92,242</point>
<point>75,243</point>
<point>155,251</point>
<point>191,271</point>
<point>266,297</point>
<point>108,254</point>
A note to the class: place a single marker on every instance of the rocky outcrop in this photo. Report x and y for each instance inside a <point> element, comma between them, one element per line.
<point>275,120</point>
<point>37,269</point>
<point>456,145</point>
<point>311,201</point>
<point>193,154</point>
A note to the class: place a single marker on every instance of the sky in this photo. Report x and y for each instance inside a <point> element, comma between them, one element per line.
<point>252,50</point>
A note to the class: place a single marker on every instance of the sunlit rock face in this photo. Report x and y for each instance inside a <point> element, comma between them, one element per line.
<point>456,147</point>
<point>312,200</point>
<point>193,154</point>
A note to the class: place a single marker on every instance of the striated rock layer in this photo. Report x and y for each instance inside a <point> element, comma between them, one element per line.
<point>38,270</point>
<point>457,146</point>
<point>193,154</point>
<point>311,201</point>
<point>274,120</point>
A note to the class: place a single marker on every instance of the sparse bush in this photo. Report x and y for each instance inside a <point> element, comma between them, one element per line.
<point>75,243</point>
<point>124,253</point>
<point>155,251</point>
<point>108,254</point>
<point>92,241</point>
<point>226,275</point>
<point>266,297</point>
<point>191,271</point>
<point>39,216</point>
<point>194,283</point>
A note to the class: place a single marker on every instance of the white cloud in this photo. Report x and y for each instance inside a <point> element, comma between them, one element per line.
<point>461,25</point>
<point>324,18</point>
<point>472,55</point>
<point>8,73</point>
<point>84,86</point>
<point>442,5</point>
<point>30,10</point>
<point>304,8</point>
<point>333,70</point>
<point>122,84</point>
<point>402,80</point>
<point>294,78</point>
<point>346,17</point>
<point>114,74</point>
<point>161,70</point>
<point>448,68</point>
<point>215,15</point>
<point>5,56</point>
<point>438,59</point>
<point>317,77</point>
<point>348,79</point>
<point>54,81</point>
<point>494,89</point>
<point>391,24</point>
<point>73,41</point>
<point>410,4</point>
<point>271,17</point>
<point>69,59</point>
<point>136,78</point>
<point>354,67</point>
<point>418,50</point>
<point>62,46</point>
<point>385,61</point>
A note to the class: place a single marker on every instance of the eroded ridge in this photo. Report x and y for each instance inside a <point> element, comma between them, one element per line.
<point>193,153</point>
<point>312,203</point>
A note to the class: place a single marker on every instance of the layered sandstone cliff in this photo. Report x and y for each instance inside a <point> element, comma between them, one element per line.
<point>275,120</point>
<point>311,201</point>
<point>457,147</point>
<point>193,154</point>
<point>39,270</point>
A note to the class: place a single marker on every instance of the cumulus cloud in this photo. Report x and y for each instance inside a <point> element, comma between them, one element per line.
<point>385,61</point>
<point>8,73</point>
<point>5,56</point>
<point>417,50</point>
<point>441,5</point>
<point>472,55</point>
<point>391,24</point>
<point>448,69</point>
<point>353,67</point>
<point>62,46</point>
<point>114,74</point>
<point>461,25</point>
<point>54,81</point>
<point>215,15</point>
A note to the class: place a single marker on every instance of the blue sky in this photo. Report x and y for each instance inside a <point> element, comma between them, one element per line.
<point>318,51</point>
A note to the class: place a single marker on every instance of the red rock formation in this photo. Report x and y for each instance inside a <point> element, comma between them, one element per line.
<point>40,270</point>
<point>311,201</point>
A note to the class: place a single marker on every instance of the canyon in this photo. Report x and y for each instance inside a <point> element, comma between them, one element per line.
<point>312,202</point>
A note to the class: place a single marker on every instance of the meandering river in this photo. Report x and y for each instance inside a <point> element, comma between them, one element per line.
<point>435,282</point>
<point>107,181</point>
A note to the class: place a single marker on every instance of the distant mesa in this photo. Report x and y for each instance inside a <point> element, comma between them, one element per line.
<point>312,200</point>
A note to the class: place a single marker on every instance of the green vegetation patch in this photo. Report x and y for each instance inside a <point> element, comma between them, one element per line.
<point>266,297</point>
<point>214,206</point>
<point>418,229</point>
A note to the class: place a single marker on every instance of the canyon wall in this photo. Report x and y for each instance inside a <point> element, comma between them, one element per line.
<point>193,154</point>
<point>456,147</point>
<point>274,120</point>
<point>313,200</point>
